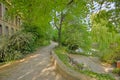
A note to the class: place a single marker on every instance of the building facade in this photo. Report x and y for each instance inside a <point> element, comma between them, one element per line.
<point>8,26</point>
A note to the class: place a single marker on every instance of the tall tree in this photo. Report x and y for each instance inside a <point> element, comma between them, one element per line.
<point>63,11</point>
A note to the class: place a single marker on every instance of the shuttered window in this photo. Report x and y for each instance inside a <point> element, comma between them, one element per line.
<point>0,30</point>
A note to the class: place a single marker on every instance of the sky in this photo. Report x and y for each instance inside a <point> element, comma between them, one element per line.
<point>105,6</point>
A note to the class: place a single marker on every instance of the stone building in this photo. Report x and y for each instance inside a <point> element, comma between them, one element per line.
<point>8,26</point>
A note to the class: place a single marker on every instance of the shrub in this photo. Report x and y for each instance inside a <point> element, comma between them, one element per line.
<point>112,55</point>
<point>22,42</point>
<point>108,57</point>
<point>76,36</point>
<point>41,36</point>
<point>16,46</point>
<point>116,71</point>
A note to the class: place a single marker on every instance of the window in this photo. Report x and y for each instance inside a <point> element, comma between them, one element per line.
<point>0,29</point>
<point>16,20</point>
<point>7,31</point>
<point>6,9</point>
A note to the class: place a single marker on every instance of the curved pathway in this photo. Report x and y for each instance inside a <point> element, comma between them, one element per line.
<point>34,67</point>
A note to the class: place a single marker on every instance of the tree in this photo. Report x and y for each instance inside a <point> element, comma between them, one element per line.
<point>63,13</point>
<point>76,36</point>
<point>36,13</point>
<point>105,30</point>
<point>112,9</point>
<point>59,16</point>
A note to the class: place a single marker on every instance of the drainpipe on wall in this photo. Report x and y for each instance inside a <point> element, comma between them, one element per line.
<point>3,23</point>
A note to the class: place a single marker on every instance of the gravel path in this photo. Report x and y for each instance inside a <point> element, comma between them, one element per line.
<point>34,67</point>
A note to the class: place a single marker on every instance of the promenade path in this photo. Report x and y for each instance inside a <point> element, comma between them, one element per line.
<point>95,65</point>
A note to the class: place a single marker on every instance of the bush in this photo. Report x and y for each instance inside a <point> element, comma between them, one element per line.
<point>108,57</point>
<point>116,71</point>
<point>41,36</point>
<point>76,36</point>
<point>112,55</point>
<point>23,42</point>
<point>16,46</point>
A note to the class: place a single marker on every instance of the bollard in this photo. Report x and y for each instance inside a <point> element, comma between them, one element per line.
<point>118,64</point>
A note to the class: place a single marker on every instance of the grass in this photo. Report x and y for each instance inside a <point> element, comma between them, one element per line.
<point>98,76</point>
<point>61,53</point>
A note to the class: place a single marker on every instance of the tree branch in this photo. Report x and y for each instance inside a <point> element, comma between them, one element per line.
<point>62,18</point>
<point>56,25</point>
<point>101,4</point>
<point>70,2</point>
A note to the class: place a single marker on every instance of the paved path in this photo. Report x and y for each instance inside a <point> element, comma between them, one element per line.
<point>35,67</point>
<point>94,64</point>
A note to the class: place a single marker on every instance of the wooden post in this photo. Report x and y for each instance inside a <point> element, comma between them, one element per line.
<point>118,64</point>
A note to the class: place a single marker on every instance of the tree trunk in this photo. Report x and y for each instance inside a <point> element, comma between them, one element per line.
<point>59,36</point>
<point>60,29</point>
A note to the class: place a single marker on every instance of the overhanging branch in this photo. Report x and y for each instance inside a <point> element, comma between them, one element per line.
<point>70,2</point>
<point>56,25</point>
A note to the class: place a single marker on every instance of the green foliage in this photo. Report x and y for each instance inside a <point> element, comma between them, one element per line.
<point>105,28</point>
<point>105,24</point>
<point>116,71</point>
<point>23,42</point>
<point>113,54</point>
<point>31,11</point>
<point>55,35</point>
<point>61,53</point>
<point>97,75</point>
<point>16,46</point>
<point>76,36</point>
<point>108,57</point>
<point>100,32</point>
<point>104,34</point>
<point>71,12</point>
<point>41,35</point>
<point>32,29</point>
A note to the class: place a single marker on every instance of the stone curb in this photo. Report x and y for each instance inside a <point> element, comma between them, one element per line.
<point>65,71</point>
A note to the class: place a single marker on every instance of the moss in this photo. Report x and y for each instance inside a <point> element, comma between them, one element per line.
<point>61,53</point>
